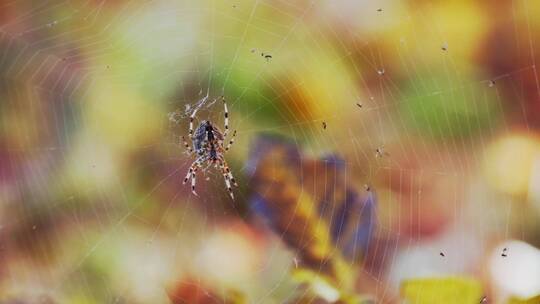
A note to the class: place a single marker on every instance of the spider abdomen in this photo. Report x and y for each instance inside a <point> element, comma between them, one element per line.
<point>199,138</point>
<point>206,139</point>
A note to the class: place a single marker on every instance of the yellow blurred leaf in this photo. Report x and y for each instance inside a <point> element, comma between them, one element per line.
<point>533,300</point>
<point>442,291</point>
<point>505,171</point>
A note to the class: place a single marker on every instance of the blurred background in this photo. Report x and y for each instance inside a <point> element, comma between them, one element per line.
<point>386,151</point>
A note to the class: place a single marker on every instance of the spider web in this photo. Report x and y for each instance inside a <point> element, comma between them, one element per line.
<point>96,95</point>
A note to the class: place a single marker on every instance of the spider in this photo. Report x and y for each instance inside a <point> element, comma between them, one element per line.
<point>208,146</point>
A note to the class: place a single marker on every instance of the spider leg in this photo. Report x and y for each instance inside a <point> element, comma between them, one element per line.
<point>191,118</point>
<point>226,118</point>
<point>194,166</point>
<point>232,179</point>
<point>188,175</point>
<point>231,141</point>
<point>226,178</point>
<point>227,171</point>
<point>193,176</point>
<point>188,147</point>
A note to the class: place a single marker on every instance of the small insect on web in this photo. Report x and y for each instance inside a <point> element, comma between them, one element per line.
<point>208,147</point>
<point>444,46</point>
<point>380,152</point>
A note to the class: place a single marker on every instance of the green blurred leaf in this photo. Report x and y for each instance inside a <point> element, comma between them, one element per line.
<point>441,290</point>
<point>443,108</point>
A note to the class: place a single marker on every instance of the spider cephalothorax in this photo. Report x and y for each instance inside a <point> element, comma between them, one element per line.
<point>208,145</point>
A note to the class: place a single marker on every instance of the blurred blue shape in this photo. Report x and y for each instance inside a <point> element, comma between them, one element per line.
<point>348,211</point>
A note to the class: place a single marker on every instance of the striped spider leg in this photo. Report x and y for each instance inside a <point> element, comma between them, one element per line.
<point>231,141</point>
<point>186,145</point>
<point>192,172</point>
<point>226,113</point>
<point>227,176</point>
<point>227,182</point>
<point>228,172</point>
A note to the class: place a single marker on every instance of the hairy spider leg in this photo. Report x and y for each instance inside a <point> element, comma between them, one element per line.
<point>188,147</point>
<point>231,141</point>
<point>226,178</point>
<point>226,118</point>
<point>191,118</point>
<point>188,175</point>
<point>193,176</point>
<point>228,171</point>
<point>192,170</point>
